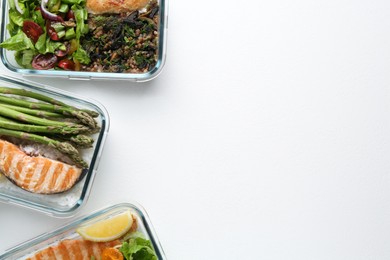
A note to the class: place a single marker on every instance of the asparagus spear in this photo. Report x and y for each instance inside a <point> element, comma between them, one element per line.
<point>78,141</point>
<point>82,141</point>
<point>39,113</point>
<point>63,147</point>
<point>4,111</point>
<point>58,129</point>
<point>84,117</point>
<point>26,93</point>
<point>6,119</point>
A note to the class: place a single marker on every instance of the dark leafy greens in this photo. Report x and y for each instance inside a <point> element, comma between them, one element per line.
<point>125,42</point>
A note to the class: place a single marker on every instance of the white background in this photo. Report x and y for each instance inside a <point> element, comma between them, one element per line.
<point>267,135</point>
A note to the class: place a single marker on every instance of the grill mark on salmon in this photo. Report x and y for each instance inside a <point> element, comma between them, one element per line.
<point>38,178</point>
<point>95,249</point>
<point>69,250</point>
<point>62,179</point>
<point>7,162</point>
<point>62,252</point>
<point>54,177</point>
<point>14,164</point>
<point>74,249</point>
<point>50,254</point>
<point>29,177</point>
<point>91,251</point>
<point>36,174</point>
<point>84,251</point>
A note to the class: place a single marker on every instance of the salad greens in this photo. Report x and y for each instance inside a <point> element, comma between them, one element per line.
<point>137,247</point>
<point>18,42</point>
<point>43,34</point>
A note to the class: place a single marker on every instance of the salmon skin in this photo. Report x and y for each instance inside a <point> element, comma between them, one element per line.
<point>36,174</point>
<point>74,250</point>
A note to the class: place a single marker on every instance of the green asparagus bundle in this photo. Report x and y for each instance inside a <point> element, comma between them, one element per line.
<point>35,117</point>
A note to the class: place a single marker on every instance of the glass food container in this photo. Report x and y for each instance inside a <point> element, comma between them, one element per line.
<point>69,231</point>
<point>64,204</point>
<point>132,49</point>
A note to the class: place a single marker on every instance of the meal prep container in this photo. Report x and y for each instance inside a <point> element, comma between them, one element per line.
<point>8,59</point>
<point>67,203</point>
<point>30,247</point>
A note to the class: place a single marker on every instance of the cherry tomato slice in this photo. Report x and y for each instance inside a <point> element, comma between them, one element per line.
<point>66,64</point>
<point>61,53</point>
<point>44,61</point>
<point>32,30</point>
<point>51,32</point>
<point>70,15</point>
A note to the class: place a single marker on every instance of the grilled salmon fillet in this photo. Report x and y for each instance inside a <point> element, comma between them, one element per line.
<point>115,6</point>
<point>74,250</point>
<point>36,174</point>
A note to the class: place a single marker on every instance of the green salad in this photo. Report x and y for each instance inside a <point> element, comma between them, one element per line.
<point>137,247</point>
<point>46,34</point>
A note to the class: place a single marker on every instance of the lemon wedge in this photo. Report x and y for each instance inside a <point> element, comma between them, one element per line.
<point>107,229</point>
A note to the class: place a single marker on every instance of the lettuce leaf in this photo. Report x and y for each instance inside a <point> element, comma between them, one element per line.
<point>73,2</point>
<point>38,18</point>
<point>16,17</point>
<point>11,4</point>
<point>24,58</point>
<point>40,45</point>
<point>81,55</point>
<point>51,46</point>
<point>138,248</point>
<point>18,42</point>
<point>12,28</point>
<point>80,15</point>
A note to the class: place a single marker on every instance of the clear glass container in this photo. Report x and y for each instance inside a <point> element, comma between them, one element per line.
<point>9,61</point>
<point>67,203</point>
<point>31,247</point>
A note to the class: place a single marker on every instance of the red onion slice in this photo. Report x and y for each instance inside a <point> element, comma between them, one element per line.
<point>18,7</point>
<point>46,14</point>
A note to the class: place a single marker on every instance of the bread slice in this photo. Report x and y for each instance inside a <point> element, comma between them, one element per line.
<point>115,6</point>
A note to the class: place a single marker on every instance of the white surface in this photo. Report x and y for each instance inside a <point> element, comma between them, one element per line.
<point>265,137</point>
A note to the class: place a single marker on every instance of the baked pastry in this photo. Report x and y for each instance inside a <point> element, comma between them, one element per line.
<point>115,6</point>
